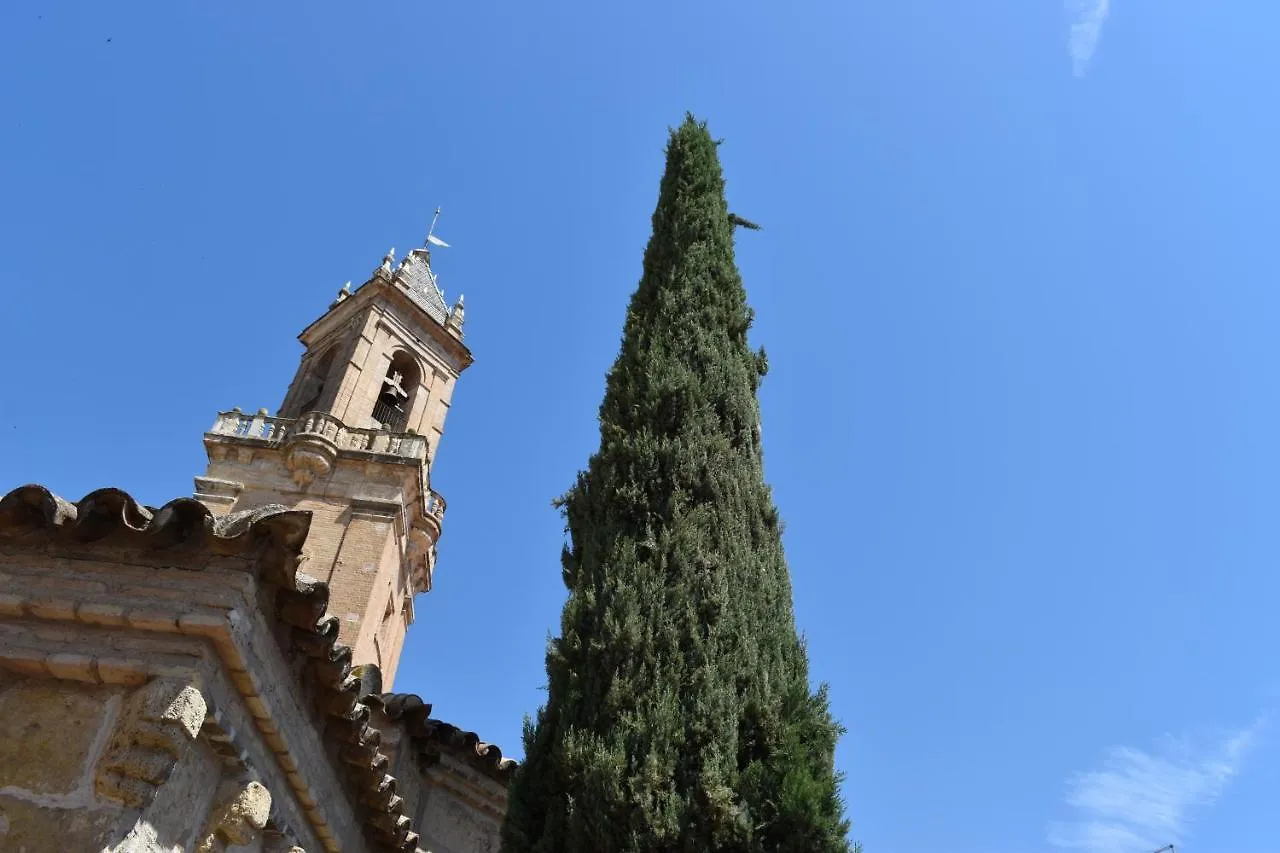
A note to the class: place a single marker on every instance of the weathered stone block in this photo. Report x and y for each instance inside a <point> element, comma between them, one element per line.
<point>101,614</point>
<point>241,810</point>
<point>30,828</point>
<point>46,731</point>
<point>72,667</point>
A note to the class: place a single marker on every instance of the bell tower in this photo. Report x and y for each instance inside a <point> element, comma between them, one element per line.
<point>353,443</point>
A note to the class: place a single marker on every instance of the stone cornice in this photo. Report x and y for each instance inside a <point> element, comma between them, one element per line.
<point>108,530</point>
<point>396,295</point>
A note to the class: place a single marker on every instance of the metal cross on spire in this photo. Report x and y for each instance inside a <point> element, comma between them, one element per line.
<point>432,239</point>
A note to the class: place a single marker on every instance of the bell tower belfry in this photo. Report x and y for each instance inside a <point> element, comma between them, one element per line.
<point>353,443</point>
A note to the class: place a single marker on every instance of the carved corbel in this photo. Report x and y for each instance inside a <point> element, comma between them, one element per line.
<point>159,721</point>
<point>240,812</point>
<point>310,456</point>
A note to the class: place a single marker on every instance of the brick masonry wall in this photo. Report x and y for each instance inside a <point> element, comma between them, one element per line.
<point>355,544</point>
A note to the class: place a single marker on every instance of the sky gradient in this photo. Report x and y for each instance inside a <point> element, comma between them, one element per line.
<point>1016,282</point>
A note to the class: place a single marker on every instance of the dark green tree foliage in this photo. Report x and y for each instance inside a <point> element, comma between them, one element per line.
<point>679,715</point>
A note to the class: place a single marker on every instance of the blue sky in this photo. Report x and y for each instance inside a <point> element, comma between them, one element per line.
<point>1017,284</point>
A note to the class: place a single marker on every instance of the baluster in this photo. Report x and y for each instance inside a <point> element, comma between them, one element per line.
<point>256,425</point>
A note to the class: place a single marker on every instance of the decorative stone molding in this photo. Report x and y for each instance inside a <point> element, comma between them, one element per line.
<point>159,721</point>
<point>264,543</point>
<point>309,458</point>
<point>434,516</point>
<point>375,509</point>
<point>336,436</point>
<point>420,556</point>
<point>213,492</point>
<point>107,563</point>
<point>240,812</point>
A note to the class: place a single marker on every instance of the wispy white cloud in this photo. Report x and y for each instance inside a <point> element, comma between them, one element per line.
<point>1087,18</point>
<point>1138,801</point>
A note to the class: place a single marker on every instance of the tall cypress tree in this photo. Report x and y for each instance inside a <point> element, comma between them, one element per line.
<point>679,716</point>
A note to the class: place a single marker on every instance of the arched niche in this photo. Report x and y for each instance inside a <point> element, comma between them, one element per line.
<point>400,387</point>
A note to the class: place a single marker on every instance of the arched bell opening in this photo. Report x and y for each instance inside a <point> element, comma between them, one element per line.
<point>395,398</point>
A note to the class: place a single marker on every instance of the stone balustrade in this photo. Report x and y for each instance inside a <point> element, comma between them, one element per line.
<point>275,430</point>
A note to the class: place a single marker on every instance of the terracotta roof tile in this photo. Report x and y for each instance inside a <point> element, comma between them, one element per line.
<point>273,536</point>
<point>432,737</point>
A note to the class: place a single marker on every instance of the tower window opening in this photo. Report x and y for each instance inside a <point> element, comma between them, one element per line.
<point>391,410</point>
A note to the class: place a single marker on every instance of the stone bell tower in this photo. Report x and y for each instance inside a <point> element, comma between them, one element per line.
<point>353,443</point>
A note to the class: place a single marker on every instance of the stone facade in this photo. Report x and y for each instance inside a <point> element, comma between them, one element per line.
<point>209,675</point>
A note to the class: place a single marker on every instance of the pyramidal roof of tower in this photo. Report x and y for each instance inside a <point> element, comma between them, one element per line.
<point>415,272</point>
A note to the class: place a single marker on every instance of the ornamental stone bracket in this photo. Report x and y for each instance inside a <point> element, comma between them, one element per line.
<point>156,742</point>
<point>219,495</point>
<point>159,723</point>
<point>100,766</point>
<point>309,457</point>
<point>241,810</point>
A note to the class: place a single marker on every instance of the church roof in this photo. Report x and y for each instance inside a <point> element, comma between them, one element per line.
<point>32,510</point>
<point>271,537</point>
<point>433,737</point>
<point>415,272</point>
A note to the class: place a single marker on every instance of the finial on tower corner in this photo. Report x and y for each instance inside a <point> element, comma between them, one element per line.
<point>387,259</point>
<point>457,316</point>
<point>342,294</point>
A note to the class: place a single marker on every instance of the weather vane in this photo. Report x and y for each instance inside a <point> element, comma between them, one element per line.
<point>431,232</point>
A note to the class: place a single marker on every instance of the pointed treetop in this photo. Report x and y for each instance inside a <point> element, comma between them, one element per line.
<point>679,714</point>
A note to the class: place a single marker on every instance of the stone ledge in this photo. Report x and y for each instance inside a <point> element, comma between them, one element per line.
<point>269,541</point>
